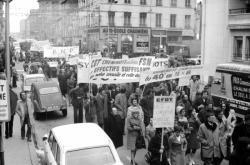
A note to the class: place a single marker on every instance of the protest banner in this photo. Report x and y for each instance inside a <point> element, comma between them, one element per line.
<point>83,69</point>
<point>60,52</point>
<point>169,73</point>
<point>184,81</point>
<point>113,71</point>
<point>4,110</point>
<point>164,111</point>
<point>159,63</point>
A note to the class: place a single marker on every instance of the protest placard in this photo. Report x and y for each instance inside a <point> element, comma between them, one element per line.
<point>164,111</point>
<point>184,81</point>
<point>83,69</point>
<point>169,73</point>
<point>4,110</point>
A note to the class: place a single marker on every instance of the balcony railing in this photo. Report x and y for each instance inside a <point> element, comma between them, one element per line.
<point>239,11</point>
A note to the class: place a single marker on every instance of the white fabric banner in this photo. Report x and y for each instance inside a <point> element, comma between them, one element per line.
<point>60,52</point>
<point>169,73</point>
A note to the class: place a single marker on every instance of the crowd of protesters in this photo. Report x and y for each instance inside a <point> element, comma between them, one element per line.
<point>127,109</point>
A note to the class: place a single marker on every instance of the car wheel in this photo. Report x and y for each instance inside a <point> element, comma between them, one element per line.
<point>36,115</point>
<point>64,112</point>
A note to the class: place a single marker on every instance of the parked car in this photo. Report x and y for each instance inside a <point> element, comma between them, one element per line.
<point>77,144</point>
<point>28,79</point>
<point>33,67</point>
<point>47,97</point>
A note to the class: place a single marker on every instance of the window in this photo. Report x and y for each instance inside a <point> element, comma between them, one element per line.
<point>127,19</point>
<point>187,21</point>
<point>143,17</point>
<point>172,20</point>
<point>111,16</point>
<point>238,43</point>
<point>248,48</point>
<point>158,20</point>
<point>158,2</point>
<point>143,2</point>
<point>187,3</point>
<point>58,155</point>
<point>90,156</point>
<point>112,1</point>
<point>127,1</point>
<point>173,3</point>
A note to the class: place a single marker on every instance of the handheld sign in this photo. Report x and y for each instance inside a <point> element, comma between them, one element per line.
<point>4,107</point>
<point>164,111</point>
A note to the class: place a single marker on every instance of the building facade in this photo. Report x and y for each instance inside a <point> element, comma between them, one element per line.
<point>25,29</point>
<point>225,33</point>
<point>137,26</point>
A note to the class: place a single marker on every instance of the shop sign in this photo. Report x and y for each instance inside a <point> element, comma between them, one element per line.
<point>4,110</point>
<point>121,30</point>
<point>141,44</point>
<point>241,87</point>
<point>95,30</point>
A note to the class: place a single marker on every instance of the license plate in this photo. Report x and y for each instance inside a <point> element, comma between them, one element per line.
<point>52,108</point>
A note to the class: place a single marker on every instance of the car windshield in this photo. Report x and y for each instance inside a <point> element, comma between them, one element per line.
<point>90,156</point>
<point>48,90</point>
<point>29,81</point>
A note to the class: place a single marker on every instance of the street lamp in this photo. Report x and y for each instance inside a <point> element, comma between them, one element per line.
<point>111,2</point>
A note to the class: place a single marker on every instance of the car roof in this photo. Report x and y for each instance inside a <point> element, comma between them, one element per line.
<point>81,135</point>
<point>33,75</point>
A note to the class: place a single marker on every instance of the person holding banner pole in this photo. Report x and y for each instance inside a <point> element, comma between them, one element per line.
<point>158,147</point>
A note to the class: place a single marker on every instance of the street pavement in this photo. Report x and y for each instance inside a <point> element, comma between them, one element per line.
<point>20,152</point>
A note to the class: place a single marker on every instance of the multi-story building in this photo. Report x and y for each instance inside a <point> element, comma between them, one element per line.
<point>137,26</point>
<point>65,29</point>
<point>25,29</point>
<point>225,33</point>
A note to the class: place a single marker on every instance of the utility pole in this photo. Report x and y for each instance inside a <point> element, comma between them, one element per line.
<point>7,65</point>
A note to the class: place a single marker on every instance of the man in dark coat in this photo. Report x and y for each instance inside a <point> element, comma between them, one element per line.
<point>155,149</point>
<point>115,128</point>
<point>78,94</point>
<point>242,130</point>
<point>62,79</point>
<point>204,101</point>
<point>13,103</point>
<point>241,154</point>
<point>147,104</point>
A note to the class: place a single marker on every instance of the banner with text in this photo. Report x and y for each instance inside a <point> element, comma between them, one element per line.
<point>60,52</point>
<point>4,110</point>
<point>164,111</point>
<point>113,71</point>
<point>169,73</point>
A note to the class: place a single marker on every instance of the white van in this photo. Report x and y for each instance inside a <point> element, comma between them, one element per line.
<point>78,144</point>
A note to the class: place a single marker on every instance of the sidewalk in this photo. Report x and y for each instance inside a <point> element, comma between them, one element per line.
<point>16,150</point>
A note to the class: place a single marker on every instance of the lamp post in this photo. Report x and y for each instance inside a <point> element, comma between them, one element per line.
<point>112,1</point>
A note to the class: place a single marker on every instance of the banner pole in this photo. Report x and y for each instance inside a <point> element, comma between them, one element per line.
<point>162,147</point>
